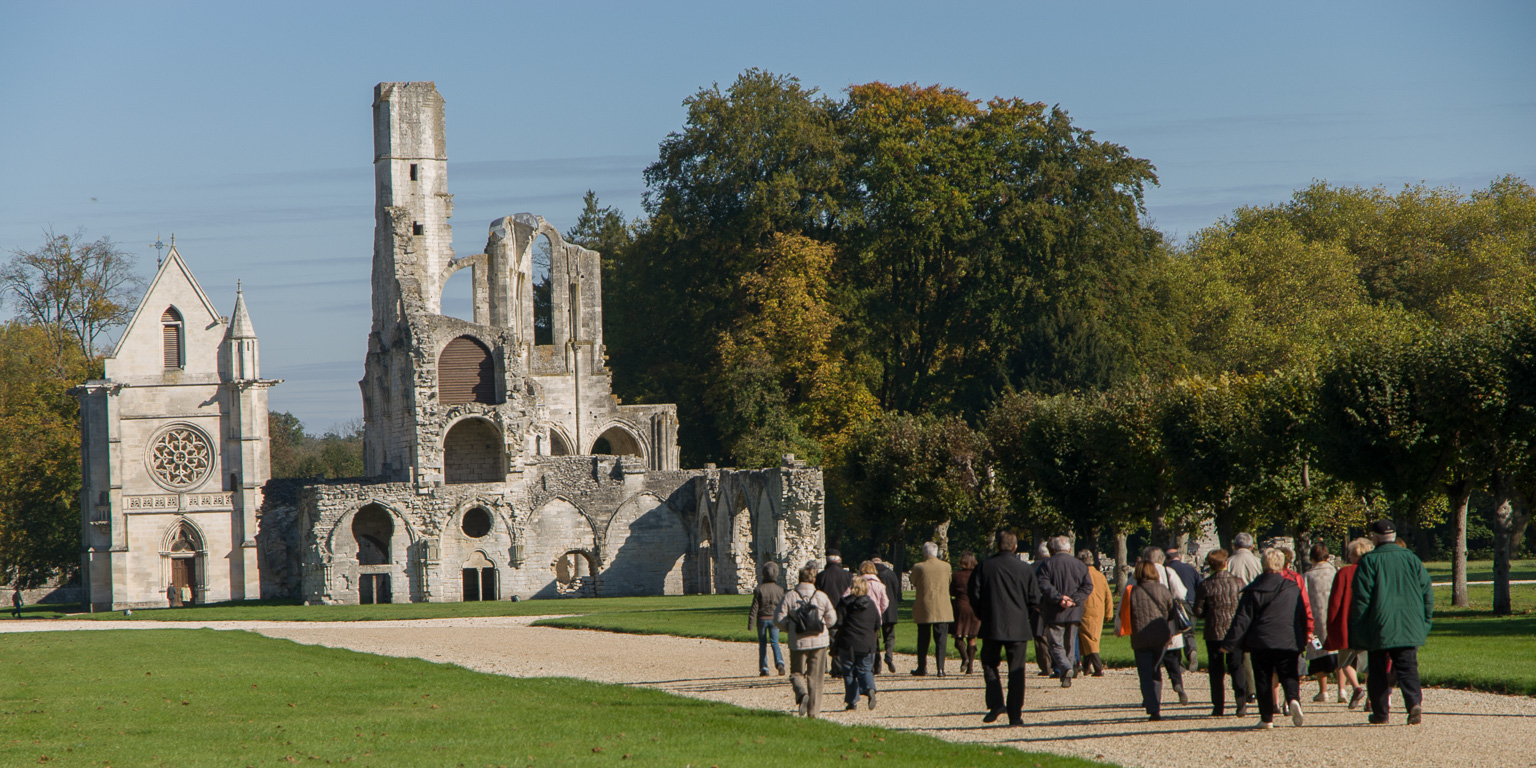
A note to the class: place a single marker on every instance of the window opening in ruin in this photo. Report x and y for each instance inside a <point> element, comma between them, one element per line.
<point>466,373</point>
<point>480,580</point>
<point>472,453</point>
<point>413,172</point>
<point>372,527</point>
<point>572,307</point>
<point>557,445</point>
<point>574,567</point>
<point>373,588</point>
<point>416,228</point>
<point>457,296</point>
<point>476,523</point>
<point>706,557</point>
<point>171,337</point>
<point>615,441</point>
<point>543,299</point>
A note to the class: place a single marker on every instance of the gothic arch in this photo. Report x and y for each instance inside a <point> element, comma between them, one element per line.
<point>474,451</point>
<point>621,439</point>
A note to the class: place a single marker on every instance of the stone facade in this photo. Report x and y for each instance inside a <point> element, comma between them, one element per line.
<point>501,465</point>
<point>174,453</point>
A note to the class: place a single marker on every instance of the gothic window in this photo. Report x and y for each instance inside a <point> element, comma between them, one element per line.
<point>181,457</point>
<point>557,446</point>
<point>373,529</point>
<point>615,441</point>
<point>465,373</point>
<point>171,338</point>
<point>543,298</point>
<point>472,453</point>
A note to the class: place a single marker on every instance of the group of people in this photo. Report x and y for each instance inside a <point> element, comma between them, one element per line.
<point>1255,612</point>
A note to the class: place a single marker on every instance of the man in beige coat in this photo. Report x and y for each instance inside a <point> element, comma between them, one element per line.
<point>932,611</point>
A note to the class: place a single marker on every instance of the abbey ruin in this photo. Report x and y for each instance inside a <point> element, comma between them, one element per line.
<point>499,462</point>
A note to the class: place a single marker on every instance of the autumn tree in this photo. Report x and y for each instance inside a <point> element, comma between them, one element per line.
<point>76,289</point>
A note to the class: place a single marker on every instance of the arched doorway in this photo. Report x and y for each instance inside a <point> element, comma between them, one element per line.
<point>480,582</point>
<point>373,528</point>
<point>706,557</point>
<point>575,571</point>
<point>472,453</point>
<point>616,441</point>
<point>185,553</point>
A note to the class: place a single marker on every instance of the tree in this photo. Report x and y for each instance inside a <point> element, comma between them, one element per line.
<point>296,453</point>
<point>601,229</point>
<point>74,288</point>
<point>39,454</point>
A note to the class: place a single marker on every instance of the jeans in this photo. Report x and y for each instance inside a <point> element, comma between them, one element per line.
<point>939,633</point>
<point>1281,664</point>
<point>1149,670</point>
<point>991,657</point>
<point>1220,665</point>
<point>1378,685</point>
<point>768,634</point>
<point>858,676</point>
<point>1059,642</point>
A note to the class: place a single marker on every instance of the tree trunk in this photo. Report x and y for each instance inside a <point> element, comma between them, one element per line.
<point>1120,556</point>
<point>1509,514</point>
<point>1459,494</point>
<point>1302,538</point>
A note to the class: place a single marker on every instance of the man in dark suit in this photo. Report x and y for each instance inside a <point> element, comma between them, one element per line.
<point>892,582</point>
<point>1191,578</point>
<point>1003,591</point>
<point>1067,576</point>
<point>835,580</point>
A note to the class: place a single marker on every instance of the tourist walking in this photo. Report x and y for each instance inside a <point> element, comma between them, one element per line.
<point>931,610</point>
<point>1145,610</point>
<point>966,624</point>
<point>1191,578</point>
<point>1215,603</point>
<point>16,603</point>
<point>1319,580</point>
<point>807,648</point>
<point>1068,577</point>
<point>1271,625</point>
<point>765,603</point>
<point>892,582</point>
<point>1004,593</point>
<point>1036,622</point>
<point>1173,662</point>
<point>1389,618</point>
<point>856,642</point>
<point>1242,562</point>
<point>1339,601</point>
<point>834,581</point>
<point>1099,607</point>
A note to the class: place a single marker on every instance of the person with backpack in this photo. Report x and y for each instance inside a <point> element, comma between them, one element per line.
<point>765,603</point>
<point>807,614</point>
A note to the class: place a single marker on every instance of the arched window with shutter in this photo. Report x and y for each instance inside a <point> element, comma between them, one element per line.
<point>466,373</point>
<point>171,338</point>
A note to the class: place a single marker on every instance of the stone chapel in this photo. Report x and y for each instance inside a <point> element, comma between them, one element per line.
<point>500,464</point>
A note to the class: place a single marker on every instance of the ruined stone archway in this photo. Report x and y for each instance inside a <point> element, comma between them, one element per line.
<point>473,453</point>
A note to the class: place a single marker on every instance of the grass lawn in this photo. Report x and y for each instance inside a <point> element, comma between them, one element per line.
<point>204,697</point>
<point>1468,648</point>
<point>1482,570</point>
<point>293,610</point>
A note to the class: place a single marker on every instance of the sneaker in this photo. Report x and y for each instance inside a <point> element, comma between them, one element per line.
<point>1264,725</point>
<point>871,701</point>
<point>1415,715</point>
<point>1286,708</point>
<point>1321,697</point>
<point>1356,697</point>
<point>1296,716</point>
<point>1183,697</point>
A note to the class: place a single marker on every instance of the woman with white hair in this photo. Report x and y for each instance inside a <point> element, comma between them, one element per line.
<point>1271,625</point>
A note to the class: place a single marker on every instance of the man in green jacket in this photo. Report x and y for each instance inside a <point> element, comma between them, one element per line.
<point>1390,616</point>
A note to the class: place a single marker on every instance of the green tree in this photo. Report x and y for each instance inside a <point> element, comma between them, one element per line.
<point>75,289</point>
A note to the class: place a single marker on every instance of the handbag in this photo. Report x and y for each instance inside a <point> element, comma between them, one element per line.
<point>1321,662</point>
<point>1179,617</point>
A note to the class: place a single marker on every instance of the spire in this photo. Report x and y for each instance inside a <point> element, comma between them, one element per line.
<point>240,320</point>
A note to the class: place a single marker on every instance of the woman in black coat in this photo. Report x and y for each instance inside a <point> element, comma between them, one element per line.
<point>856,643</point>
<point>1271,624</point>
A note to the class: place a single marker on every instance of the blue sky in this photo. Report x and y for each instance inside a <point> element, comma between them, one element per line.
<point>245,128</point>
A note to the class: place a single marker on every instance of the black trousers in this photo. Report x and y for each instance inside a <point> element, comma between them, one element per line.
<point>1149,672</point>
<point>1173,662</point>
<point>1378,684</point>
<point>888,637</point>
<point>991,658</point>
<point>1281,664</point>
<point>938,632</point>
<point>1220,665</point>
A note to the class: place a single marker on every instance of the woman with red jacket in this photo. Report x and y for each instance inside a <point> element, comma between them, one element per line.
<point>1338,619</point>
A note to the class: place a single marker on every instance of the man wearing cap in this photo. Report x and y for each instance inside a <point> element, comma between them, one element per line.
<point>1389,617</point>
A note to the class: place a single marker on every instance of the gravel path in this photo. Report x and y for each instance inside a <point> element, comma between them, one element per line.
<point>1097,717</point>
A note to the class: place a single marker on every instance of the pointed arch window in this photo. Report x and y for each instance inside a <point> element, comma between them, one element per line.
<point>172,338</point>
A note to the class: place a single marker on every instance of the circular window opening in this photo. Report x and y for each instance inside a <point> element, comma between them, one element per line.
<point>477,523</point>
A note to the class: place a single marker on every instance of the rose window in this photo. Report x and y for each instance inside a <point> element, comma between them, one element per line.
<point>181,458</point>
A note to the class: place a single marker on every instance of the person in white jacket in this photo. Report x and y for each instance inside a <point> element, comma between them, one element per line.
<point>1174,655</point>
<point>807,653</point>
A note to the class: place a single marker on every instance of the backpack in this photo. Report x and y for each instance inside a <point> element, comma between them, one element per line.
<point>806,618</point>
